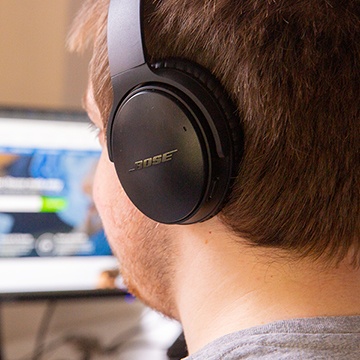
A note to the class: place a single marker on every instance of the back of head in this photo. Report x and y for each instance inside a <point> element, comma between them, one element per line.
<point>292,69</point>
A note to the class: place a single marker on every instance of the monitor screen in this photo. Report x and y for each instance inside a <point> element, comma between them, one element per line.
<point>51,238</point>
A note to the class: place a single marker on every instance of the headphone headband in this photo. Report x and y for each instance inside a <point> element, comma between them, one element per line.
<point>125,39</point>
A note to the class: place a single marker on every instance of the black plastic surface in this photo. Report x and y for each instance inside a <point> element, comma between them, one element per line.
<point>161,158</point>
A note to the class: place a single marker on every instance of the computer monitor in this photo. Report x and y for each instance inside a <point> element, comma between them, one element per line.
<point>52,243</point>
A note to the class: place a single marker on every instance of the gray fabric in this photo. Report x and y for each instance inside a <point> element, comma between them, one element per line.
<point>311,338</point>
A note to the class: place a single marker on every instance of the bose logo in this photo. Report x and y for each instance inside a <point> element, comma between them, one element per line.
<point>155,160</point>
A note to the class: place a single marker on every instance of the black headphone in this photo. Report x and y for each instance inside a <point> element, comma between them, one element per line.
<point>173,133</point>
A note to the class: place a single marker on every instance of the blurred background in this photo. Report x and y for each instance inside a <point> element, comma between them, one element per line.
<point>36,70</point>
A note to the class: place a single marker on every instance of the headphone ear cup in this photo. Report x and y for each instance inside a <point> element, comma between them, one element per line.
<point>172,139</point>
<point>159,155</point>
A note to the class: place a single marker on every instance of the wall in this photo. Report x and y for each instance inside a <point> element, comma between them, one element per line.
<point>35,68</point>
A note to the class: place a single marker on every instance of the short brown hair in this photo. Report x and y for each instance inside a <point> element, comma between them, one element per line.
<point>292,69</point>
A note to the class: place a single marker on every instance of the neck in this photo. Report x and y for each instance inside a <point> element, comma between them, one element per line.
<point>236,287</point>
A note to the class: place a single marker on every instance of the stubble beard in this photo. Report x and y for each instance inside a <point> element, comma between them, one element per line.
<point>147,255</point>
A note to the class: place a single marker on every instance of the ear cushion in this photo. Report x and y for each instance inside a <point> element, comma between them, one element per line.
<point>212,85</point>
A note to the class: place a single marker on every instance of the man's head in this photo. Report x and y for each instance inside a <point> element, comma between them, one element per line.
<point>291,68</point>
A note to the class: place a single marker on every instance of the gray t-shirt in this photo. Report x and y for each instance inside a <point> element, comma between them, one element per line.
<point>311,338</point>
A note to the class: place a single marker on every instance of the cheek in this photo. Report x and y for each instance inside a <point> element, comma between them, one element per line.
<point>107,189</point>
<point>104,177</point>
<point>114,207</point>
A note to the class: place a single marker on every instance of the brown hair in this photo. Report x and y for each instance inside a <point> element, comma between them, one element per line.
<point>292,68</point>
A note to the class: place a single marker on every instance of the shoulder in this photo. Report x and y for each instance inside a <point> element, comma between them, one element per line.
<point>321,338</point>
